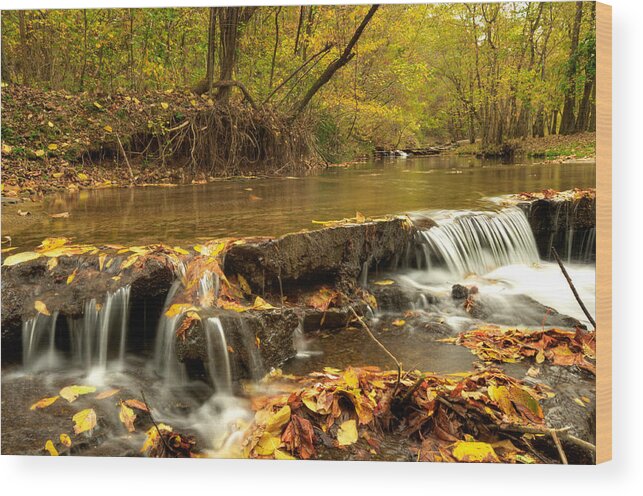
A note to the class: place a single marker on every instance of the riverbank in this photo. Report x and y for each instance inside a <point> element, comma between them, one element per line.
<point>59,141</point>
<point>553,148</point>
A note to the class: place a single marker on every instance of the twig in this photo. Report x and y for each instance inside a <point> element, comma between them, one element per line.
<point>559,447</point>
<point>571,286</point>
<point>562,433</point>
<point>129,167</point>
<point>149,412</point>
<point>397,363</point>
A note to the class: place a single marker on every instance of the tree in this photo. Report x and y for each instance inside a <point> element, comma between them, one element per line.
<point>568,121</point>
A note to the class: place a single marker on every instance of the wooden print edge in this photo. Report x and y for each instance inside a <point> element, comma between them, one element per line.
<point>603,232</point>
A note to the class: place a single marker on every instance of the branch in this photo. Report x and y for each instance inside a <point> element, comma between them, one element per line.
<point>368,331</point>
<point>241,86</point>
<point>571,286</point>
<point>337,64</point>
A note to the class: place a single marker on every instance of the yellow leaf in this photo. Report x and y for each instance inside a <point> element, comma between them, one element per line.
<point>540,356</point>
<point>58,175</point>
<point>474,451</point>
<point>40,153</point>
<point>82,176</point>
<point>283,455</point>
<point>578,401</point>
<point>70,393</point>
<point>101,261</point>
<point>127,416</point>
<point>84,420</point>
<point>243,284</point>
<point>359,217</point>
<point>350,378</point>
<point>52,263</point>
<point>6,149</point>
<point>106,394</point>
<point>261,304</point>
<point>178,308</point>
<point>72,276</point>
<point>181,251</point>
<point>500,394</point>
<point>108,128</point>
<point>25,256</point>
<point>41,307</point>
<point>49,446</point>
<point>398,322</point>
<point>278,419</point>
<point>385,282</point>
<point>50,124</point>
<point>152,435</point>
<point>44,403</point>
<point>267,444</point>
<point>52,243</point>
<point>98,105</point>
<point>65,440</point>
<point>347,433</point>
<point>53,147</point>
<point>164,105</point>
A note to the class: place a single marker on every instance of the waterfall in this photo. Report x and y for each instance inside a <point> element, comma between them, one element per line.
<point>208,290</point>
<point>100,336</point>
<point>218,363</point>
<point>166,363</point>
<point>478,242</point>
<point>37,352</point>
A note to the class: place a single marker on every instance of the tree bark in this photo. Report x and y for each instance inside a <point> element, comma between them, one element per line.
<point>568,121</point>
<point>346,56</point>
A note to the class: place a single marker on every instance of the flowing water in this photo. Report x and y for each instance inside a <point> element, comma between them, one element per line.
<point>276,206</point>
<point>474,243</point>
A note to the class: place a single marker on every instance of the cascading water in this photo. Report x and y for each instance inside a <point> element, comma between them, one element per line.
<point>166,363</point>
<point>218,363</point>
<point>39,342</point>
<point>478,242</point>
<point>100,336</point>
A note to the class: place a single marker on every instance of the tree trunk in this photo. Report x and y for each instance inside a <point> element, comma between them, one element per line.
<point>568,121</point>
<point>209,73</point>
<point>274,51</point>
<point>346,56</point>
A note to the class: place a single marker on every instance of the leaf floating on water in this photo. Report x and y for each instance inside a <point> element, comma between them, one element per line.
<point>138,404</point>
<point>398,322</point>
<point>384,282</point>
<point>41,307</point>
<point>474,451</point>
<point>71,393</point>
<point>61,215</point>
<point>84,421</point>
<point>65,440</point>
<point>107,393</point>
<point>52,243</point>
<point>127,416</point>
<point>49,446</point>
<point>347,433</point>
<point>25,256</point>
<point>44,403</point>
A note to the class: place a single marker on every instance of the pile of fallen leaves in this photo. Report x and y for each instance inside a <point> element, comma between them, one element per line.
<point>552,194</point>
<point>459,417</point>
<point>557,346</point>
<point>161,441</point>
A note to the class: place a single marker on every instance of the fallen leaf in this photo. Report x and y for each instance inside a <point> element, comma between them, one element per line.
<point>72,276</point>
<point>398,322</point>
<point>474,451</point>
<point>347,433</point>
<point>49,446</point>
<point>41,307</point>
<point>107,394</point>
<point>65,440</point>
<point>23,213</point>
<point>71,393</point>
<point>44,403</point>
<point>164,105</point>
<point>53,147</point>
<point>82,176</point>
<point>61,215</point>
<point>138,404</point>
<point>108,128</point>
<point>84,420</point>
<point>127,416</point>
<point>385,282</point>
<point>25,256</point>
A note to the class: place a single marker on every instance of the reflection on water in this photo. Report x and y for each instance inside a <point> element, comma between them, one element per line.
<point>275,206</point>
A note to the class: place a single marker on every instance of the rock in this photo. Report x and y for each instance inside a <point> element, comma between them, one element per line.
<point>334,255</point>
<point>559,222</point>
<point>459,292</point>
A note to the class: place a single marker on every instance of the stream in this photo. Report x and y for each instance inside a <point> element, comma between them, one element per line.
<point>475,244</point>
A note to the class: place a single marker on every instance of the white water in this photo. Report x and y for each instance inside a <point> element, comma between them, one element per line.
<point>218,363</point>
<point>166,363</point>
<point>466,243</point>
<point>39,342</point>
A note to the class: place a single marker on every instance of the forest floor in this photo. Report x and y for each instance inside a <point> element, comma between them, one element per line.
<point>556,148</point>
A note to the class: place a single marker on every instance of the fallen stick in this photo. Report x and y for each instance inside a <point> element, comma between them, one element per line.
<point>571,286</point>
<point>129,167</point>
<point>397,363</point>
<point>561,433</point>
<point>559,447</point>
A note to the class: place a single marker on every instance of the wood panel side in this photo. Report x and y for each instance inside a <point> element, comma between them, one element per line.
<point>603,232</point>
